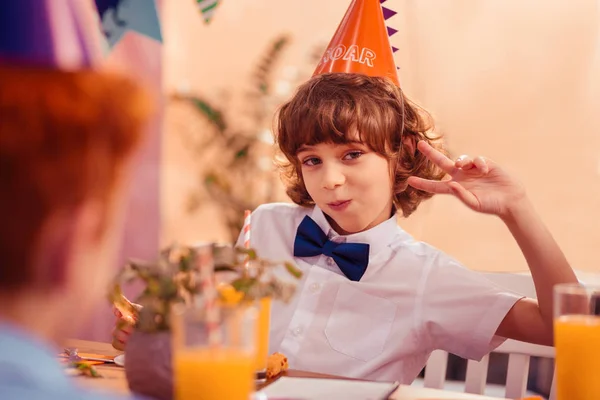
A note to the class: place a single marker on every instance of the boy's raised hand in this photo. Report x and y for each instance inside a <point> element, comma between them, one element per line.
<point>478,182</point>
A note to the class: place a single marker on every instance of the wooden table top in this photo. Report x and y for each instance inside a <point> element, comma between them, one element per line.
<point>114,378</point>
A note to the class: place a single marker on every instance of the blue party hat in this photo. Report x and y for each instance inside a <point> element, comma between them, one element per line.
<point>49,33</point>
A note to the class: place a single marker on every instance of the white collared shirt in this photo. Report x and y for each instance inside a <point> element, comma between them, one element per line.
<point>411,300</point>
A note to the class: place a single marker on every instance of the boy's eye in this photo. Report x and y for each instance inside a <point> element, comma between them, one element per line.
<point>353,155</point>
<point>310,161</point>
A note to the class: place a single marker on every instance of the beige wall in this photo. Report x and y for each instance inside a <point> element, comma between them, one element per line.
<point>515,80</point>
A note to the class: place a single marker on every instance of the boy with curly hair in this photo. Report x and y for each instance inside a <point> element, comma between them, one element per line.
<point>374,302</point>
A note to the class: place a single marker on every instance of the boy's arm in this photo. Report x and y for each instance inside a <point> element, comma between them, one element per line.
<point>530,320</point>
<point>486,188</point>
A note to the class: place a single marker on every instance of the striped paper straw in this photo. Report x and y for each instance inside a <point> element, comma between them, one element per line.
<point>206,268</point>
<point>207,8</point>
<point>247,227</point>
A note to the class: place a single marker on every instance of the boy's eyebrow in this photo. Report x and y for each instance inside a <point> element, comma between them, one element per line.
<point>306,147</point>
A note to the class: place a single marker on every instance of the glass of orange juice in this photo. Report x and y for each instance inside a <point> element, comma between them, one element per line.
<point>577,341</point>
<point>214,358</point>
<point>262,334</point>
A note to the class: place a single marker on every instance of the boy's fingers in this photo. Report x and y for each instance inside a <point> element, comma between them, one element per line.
<point>429,186</point>
<point>464,195</point>
<point>439,159</point>
<point>464,162</point>
<point>481,165</point>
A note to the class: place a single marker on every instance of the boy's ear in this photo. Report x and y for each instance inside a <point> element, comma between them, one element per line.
<point>54,248</point>
<point>63,235</point>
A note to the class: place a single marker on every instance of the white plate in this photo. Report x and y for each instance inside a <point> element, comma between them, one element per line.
<point>120,360</point>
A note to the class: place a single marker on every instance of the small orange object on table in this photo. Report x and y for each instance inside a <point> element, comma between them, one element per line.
<point>276,364</point>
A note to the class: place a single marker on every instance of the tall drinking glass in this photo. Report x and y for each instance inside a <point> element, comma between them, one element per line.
<point>214,357</point>
<point>262,334</point>
<point>577,341</point>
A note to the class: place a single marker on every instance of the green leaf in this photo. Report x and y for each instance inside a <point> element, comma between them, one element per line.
<point>264,69</point>
<point>185,264</point>
<point>291,268</point>
<point>243,284</point>
<point>250,253</point>
<point>86,369</point>
<point>211,113</point>
<point>242,152</point>
<point>168,289</point>
<point>279,44</point>
<point>210,179</point>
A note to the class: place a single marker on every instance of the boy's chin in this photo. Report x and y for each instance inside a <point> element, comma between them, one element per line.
<point>348,227</point>
<point>345,223</point>
<point>353,229</point>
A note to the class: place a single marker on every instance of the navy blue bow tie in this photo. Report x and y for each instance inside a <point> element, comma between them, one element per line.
<point>352,258</point>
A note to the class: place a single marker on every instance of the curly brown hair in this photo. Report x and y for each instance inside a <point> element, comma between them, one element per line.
<point>65,138</point>
<point>330,106</point>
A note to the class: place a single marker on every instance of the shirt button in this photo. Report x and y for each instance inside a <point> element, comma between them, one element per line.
<point>330,262</point>
<point>298,331</point>
<point>315,287</point>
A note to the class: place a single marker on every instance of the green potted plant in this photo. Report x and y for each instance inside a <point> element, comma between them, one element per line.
<point>172,279</point>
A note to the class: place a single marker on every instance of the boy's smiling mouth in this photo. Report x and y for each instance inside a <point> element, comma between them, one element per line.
<point>339,205</point>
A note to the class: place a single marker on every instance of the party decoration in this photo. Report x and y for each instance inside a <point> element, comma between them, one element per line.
<point>207,8</point>
<point>361,44</point>
<point>48,33</point>
<point>119,16</point>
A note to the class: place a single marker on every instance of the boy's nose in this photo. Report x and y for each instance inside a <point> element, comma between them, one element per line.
<point>333,177</point>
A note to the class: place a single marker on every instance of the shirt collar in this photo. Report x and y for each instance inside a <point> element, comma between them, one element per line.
<point>26,360</point>
<point>378,237</point>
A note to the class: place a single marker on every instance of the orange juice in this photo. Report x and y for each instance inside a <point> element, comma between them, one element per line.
<point>577,342</point>
<point>262,334</point>
<point>213,374</point>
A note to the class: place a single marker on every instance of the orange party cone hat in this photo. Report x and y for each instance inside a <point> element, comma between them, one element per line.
<point>360,44</point>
